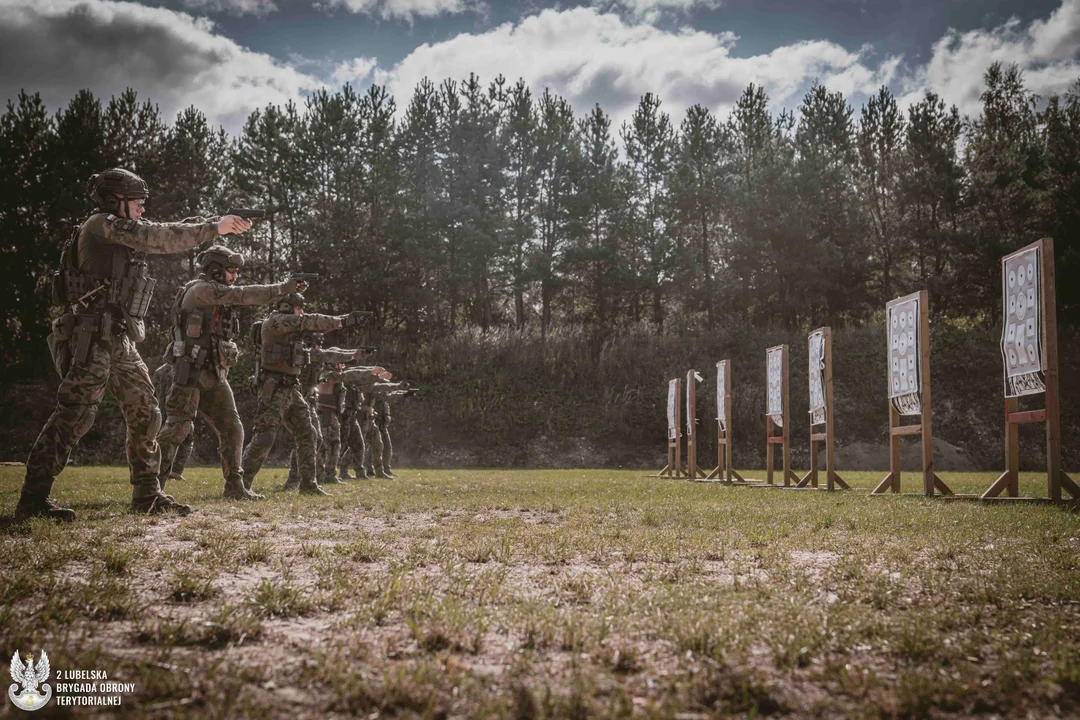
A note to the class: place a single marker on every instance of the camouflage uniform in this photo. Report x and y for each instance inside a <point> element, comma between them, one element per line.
<point>281,398</point>
<point>352,435</point>
<point>309,378</point>
<point>382,422</point>
<point>329,398</point>
<point>163,382</point>
<point>205,320</point>
<point>107,249</point>
<point>374,460</point>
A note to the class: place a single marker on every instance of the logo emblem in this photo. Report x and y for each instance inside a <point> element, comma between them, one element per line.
<point>30,676</point>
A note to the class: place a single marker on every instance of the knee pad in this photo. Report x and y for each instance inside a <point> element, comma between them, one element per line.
<point>154,425</point>
<point>80,418</point>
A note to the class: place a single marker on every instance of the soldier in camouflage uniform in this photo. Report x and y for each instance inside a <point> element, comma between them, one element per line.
<point>203,350</point>
<point>329,396</point>
<point>352,436</point>
<point>163,382</point>
<point>281,398</point>
<point>309,378</point>
<point>374,460</point>
<point>106,292</point>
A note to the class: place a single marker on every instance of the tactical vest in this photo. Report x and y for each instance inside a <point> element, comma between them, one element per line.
<point>126,288</point>
<point>286,351</point>
<point>197,332</point>
<point>334,400</point>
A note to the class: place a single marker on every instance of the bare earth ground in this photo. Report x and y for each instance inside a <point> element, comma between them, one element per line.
<point>585,593</point>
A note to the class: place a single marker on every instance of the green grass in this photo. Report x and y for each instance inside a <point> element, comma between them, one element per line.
<point>554,594</point>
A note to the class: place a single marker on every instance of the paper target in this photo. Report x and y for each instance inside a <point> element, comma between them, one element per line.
<point>672,399</point>
<point>692,377</point>
<point>721,394</point>
<point>904,382</point>
<point>774,363</point>
<point>1022,323</point>
<point>816,373</point>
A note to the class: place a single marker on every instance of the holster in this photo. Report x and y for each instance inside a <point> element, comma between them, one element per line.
<point>89,328</point>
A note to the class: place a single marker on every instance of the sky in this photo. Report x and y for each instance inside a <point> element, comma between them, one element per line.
<point>230,57</point>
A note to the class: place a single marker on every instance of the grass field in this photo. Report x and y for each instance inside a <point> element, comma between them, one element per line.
<point>586,593</point>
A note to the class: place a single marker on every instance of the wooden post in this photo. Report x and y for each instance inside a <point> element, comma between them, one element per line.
<point>1028,373</point>
<point>725,469</point>
<point>909,316</point>
<point>692,469</point>
<point>674,467</point>
<point>822,412</point>
<point>777,380</point>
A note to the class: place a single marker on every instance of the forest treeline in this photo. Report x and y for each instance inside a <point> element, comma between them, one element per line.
<point>485,206</point>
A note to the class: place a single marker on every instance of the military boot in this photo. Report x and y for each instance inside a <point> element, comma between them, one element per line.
<point>158,504</point>
<point>331,480</point>
<point>177,476</point>
<point>347,475</point>
<point>311,488</point>
<point>31,506</point>
<point>235,489</point>
<point>389,473</point>
<point>380,473</point>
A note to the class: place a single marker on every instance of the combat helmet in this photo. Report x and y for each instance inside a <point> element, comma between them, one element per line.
<point>213,261</point>
<point>108,188</point>
<point>290,301</point>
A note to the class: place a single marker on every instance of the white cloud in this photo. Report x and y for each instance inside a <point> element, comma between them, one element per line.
<point>232,7</point>
<point>172,58</point>
<point>590,57</point>
<point>353,72</point>
<point>406,9</point>
<point>1048,51</point>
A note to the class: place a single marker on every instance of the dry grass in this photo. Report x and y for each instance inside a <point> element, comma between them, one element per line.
<point>538,594</point>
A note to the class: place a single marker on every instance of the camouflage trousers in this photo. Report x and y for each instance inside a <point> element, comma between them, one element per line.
<point>373,447</point>
<point>330,448</point>
<point>294,472</point>
<point>180,460</point>
<point>286,406</point>
<point>113,363</point>
<point>387,447</point>
<point>353,437</point>
<point>211,397</point>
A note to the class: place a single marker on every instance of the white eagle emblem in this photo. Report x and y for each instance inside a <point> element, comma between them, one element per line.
<point>30,676</point>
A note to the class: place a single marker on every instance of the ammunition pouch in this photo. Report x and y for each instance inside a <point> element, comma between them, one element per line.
<point>294,354</point>
<point>227,354</point>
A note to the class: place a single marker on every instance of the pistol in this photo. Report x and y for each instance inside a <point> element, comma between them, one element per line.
<point>306,277</point>
<point>248,213</point>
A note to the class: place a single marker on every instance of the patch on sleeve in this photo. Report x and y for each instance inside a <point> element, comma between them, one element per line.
<point>125,224</point>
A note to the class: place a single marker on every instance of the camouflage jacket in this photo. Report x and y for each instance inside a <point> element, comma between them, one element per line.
<point>285,327</point>
<point>102,234</point>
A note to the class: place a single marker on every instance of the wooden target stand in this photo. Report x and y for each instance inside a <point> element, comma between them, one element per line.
<point>783,439</point>
<point>674,467</point>
<point>897,429</point>
<point>1056,479</point>
<point>828,437</point>
<point>725,471</point>
<point>693,472</point>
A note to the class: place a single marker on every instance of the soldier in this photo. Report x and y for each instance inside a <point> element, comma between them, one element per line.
<point>351,433</point>
<point>205,326</point>
<point>373,454</point>
<point>280,397</point>
<point>104,285</point>
<point>163,382</point>
<point>309,378</point>
<point>329,397</point>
